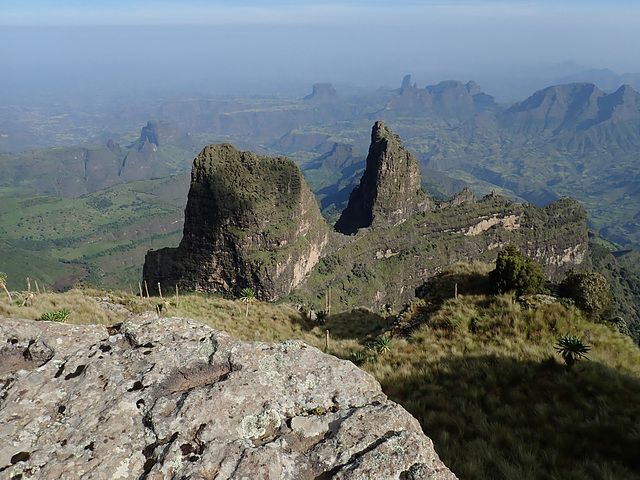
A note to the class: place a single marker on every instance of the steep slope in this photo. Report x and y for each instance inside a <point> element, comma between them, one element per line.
<point>390,189</point>
<point>385,266</point>
<point>251,221</point>
<point>577,117</point>
<point>564,140</point>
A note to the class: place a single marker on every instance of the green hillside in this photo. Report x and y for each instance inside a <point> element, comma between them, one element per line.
<point>479,371</point>
<point>101,238</point>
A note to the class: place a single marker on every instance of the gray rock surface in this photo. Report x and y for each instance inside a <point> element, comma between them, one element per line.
<point>172,398</point>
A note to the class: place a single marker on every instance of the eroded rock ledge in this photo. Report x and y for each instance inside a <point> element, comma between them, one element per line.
<point>172,398</point>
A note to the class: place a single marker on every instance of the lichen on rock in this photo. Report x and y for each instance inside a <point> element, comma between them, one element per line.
<point>151,403</point>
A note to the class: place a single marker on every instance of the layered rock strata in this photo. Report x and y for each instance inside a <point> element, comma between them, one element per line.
<point>172,398</point>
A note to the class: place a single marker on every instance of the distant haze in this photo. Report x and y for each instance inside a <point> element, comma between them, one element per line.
<point>74,50</point>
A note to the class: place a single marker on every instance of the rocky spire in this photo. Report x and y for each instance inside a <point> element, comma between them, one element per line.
<point>389,191</point>
<point>251,221</point>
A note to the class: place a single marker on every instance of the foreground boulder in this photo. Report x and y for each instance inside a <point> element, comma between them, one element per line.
<point>172,398</point>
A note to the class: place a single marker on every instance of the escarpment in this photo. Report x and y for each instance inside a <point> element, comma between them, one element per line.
<point>252,221</point>
<point>173,398</point>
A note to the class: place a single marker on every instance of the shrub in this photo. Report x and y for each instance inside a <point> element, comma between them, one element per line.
<point>589,290</point>
<point>514,272</point>
<point>619,324</point>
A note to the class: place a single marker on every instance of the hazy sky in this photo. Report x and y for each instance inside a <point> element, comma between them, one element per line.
<point>241,45</point>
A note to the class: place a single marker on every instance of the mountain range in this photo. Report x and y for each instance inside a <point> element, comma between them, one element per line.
<point>571,140</point>
<point>566,140</point>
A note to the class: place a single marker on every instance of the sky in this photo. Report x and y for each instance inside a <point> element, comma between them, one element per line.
<point>256,46</point>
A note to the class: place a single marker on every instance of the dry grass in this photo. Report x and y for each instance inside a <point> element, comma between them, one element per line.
<point>84,308</point>
<point>480,373</point>
<point>266,322</point>
<point>483,378</point>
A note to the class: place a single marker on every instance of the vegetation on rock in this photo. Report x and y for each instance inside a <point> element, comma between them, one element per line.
<point>251,221</point>
<point>516,273</point>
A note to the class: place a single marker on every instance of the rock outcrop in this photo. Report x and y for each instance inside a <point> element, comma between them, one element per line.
<point>322,92</point>
<point>390,189</point>
<point>161,134</point>
<point>172,398</point>
<point>384,266</point>
<point>449,98</point>
<point>251,221</point>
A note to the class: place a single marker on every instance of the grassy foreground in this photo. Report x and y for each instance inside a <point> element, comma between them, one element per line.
<point>479,371</point>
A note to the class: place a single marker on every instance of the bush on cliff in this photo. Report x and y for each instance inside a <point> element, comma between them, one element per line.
<point>514,272</point>
<point>589,290</point>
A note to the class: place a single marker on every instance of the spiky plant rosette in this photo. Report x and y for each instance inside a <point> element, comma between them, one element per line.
<point>572,346</point>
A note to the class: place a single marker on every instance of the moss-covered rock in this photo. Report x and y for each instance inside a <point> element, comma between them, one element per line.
<point>250,221</point>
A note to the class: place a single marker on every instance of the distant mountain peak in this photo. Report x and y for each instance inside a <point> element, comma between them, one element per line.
<point>572,107</point>
<point>449,97</point>
<point>322,92</point>
<point>161,133</point>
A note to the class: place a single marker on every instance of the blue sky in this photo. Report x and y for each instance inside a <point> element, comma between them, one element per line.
<point>225,44</point>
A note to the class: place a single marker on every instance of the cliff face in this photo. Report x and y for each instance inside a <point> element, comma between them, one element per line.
<point>389,191</point>
<point>251,221</point>
<point>385,266</point>
<point>173,398</point>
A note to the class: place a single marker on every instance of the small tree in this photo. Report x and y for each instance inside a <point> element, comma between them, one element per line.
<point>572,349</point>
<point>3,283</point>
<point>589,290</point>
<point>247,295</point>
<point>514,272</point>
